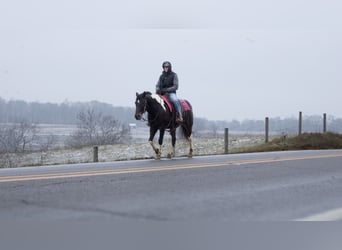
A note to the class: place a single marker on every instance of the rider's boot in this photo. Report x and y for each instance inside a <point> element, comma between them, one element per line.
<point>179,118</point>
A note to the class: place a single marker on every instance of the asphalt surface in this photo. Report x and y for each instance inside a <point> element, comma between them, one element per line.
<point>277,186</point>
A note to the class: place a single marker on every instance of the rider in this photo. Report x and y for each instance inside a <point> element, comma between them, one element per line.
<point>168,84</point>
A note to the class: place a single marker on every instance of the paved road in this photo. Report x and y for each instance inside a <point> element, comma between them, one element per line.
<point>305,185</point>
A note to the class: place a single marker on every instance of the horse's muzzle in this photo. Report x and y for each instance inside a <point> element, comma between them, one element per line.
<point>138,116</point>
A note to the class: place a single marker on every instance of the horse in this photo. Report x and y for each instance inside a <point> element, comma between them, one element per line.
<point>162,116</point>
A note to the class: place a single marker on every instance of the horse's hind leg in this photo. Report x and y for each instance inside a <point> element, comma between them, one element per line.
<point>187,129</point>
<point>190,144</point>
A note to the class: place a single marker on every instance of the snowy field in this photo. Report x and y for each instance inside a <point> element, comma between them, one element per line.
<point>136,148</point>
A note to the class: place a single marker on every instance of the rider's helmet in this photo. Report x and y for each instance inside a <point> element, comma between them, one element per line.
<point>167,64</point>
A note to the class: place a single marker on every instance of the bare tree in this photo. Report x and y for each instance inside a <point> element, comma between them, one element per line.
<point>17,137</point>
<point>95,129</point>
<point>47,142</point>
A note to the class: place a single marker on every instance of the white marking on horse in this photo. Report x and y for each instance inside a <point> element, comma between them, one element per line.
<point>159,100</point>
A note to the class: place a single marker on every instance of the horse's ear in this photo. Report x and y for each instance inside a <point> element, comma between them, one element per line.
<point>137,94</point>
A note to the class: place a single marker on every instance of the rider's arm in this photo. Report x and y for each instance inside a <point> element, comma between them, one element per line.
<point>175,84</point>
<point>158,87</point>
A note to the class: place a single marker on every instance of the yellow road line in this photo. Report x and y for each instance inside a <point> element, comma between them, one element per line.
<point>161,168</point>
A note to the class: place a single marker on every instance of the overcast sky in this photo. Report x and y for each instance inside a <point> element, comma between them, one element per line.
<point>243,59</point>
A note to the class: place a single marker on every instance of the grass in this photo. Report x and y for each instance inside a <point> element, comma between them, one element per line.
<point>301,142</point>
<point>202,146</point>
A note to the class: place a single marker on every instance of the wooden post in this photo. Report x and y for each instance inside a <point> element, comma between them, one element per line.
<point>324,123</point>
<point>266,129</point>
<point>96,153</point>
<point>300,123</point>
<point>226,140</point>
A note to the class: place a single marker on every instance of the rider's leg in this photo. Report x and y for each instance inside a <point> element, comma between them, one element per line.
<point>174,99</point>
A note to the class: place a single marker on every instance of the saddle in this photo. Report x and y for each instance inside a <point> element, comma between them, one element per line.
<point>183,103</point>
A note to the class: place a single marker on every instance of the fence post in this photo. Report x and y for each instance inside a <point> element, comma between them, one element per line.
<point>96,153</point>
<point>266,129</point>
<point>300,123</point>
<point>226,140</point>
<point>324,123</point>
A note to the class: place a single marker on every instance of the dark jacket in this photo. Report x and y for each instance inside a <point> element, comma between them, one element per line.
<point>167,83</point>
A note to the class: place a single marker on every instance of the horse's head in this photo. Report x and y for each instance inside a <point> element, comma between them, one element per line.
<point>140,105</point>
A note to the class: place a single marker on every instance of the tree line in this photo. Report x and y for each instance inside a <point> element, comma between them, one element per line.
<point>97,124</point>
<point>16,111</point>
<point>277,125</point>
<point>93,128</point>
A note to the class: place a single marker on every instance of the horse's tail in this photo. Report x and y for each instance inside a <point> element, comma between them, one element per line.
<point>188,120</point>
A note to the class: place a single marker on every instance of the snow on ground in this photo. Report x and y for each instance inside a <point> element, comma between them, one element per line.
<point>137,149</point>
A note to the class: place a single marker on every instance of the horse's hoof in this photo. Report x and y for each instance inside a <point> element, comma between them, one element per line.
<point>189,155</point>
<point>169,155</point>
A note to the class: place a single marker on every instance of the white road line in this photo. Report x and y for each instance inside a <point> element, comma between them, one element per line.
<point>332,215</point>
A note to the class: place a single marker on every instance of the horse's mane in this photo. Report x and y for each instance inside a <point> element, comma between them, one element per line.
<point>157,105</point>
<point>147,93</point>
<point>154,104</point>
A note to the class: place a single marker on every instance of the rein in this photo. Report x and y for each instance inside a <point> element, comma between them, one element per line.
<point>145,109</point>
<point>144,112</point>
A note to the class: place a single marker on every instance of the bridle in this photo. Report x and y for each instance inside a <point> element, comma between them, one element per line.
<point>145,108</point>
<point>157,115</point>
<point>144,111</point>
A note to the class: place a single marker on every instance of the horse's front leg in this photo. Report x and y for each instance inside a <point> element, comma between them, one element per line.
<point>153,132</point>
<point>173,141</point>
<point>160,141</point>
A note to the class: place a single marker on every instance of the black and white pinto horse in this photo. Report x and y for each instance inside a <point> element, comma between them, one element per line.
<point>161,115</point>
